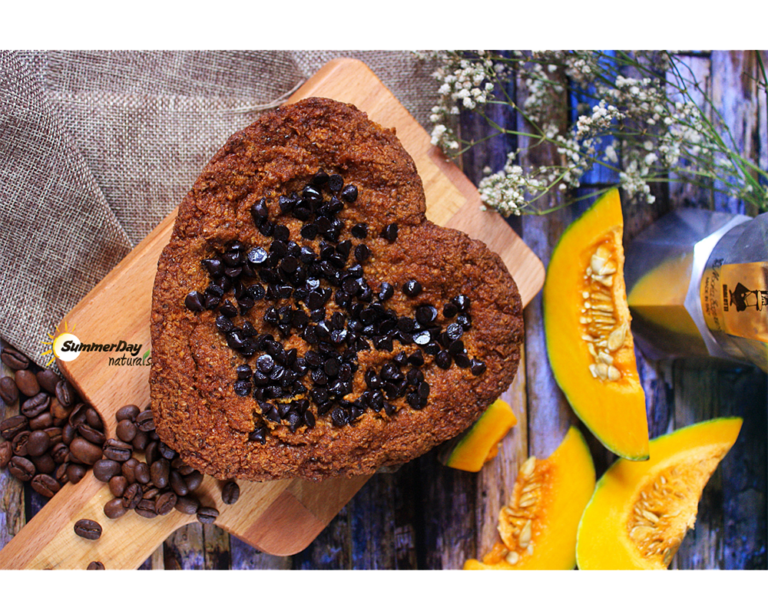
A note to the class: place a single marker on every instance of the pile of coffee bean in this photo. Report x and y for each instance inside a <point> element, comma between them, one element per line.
<point>317,289</point>
<point>151,487</point>
<point>57,438</point>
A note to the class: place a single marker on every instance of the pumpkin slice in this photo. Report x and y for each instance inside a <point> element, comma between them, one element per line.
<point>586,322</point>
<point>538,525</point>
<point>640,512</point>
<point>481,442</point>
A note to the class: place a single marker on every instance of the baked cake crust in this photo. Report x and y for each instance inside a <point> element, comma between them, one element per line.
<point>196,409</point>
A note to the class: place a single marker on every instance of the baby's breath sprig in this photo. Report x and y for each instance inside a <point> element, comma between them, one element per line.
<point>643,122</point>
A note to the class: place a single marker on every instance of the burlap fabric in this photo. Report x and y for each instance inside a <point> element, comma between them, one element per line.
<point>98,147</point>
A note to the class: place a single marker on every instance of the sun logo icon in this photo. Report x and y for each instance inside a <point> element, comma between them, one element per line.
<point>58,343</point>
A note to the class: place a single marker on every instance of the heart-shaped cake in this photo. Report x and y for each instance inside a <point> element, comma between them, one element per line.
<point>308,321</point>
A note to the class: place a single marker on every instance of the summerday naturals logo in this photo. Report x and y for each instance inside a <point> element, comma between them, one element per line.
<point>66,346</point>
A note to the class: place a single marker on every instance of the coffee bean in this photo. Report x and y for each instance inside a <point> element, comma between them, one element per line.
<point>126,430</point>
<point>151,454</point>
<point>165,503</point>
<point>6,452</point>
<point>9,391</point>
<point>117,485</point>
<point>129,469</point>
<point>207,515</point>
<point>178,484</point>
<point>132,496</point>
<point>86,431</point>
<point>85,452</point>
<point>41,422</point>
<point>95,566</point>
<point>44,463</point>
<point>20,443</point>
<point>65,393</point>
<point>146,508</point>
<point>14,359</point>
<point>59,412</point>
<point>142,473</point>
<point>48,381</point>
<point>230,493</point>
<point>105,469</point>
<point>77,415</point>
<point>145,421</point>
<point>127,412</point>
<point>38,443</point>
<point>27,383</point>
<point>114,508</point>
<point>187,505</point>
<point>139,441</point>
<point>160,472</point>
<point>151,492</point>
<point>12,426</point>
<point>45,485</point>
<point>54,434</point>
<point>61,473</point>
<point>68,434</point>
<point>117,450</point>
<point>36,405</point>
<point>182,467</point>
<point>21,468</point>
<point>60,453</point>
<point>88,529</point>
<point>93,419</point>
<point>194,480</point>
<point>76,472</point>
<point>166,452</point>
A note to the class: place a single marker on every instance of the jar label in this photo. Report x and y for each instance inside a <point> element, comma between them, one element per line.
<point>734,299</point>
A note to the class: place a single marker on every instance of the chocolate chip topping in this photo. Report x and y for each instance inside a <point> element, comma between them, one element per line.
<point>334,308</point>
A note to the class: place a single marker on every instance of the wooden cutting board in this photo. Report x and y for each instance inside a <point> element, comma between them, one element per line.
<point>280,517</point>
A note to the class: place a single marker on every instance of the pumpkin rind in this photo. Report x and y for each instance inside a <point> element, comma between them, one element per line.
<point>613,410</point>
<point>567,482</point>
<point>480,444</point>
<point>656,499</point>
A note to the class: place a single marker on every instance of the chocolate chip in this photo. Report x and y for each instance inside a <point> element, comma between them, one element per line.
<point>362,253</point>
<point>477,367</point>
<point>349,193</point>
<point>386,291</point>
<point>426,314</point>
<point>335,183</point>
<point>214,267</point>
<point>257,256</point>
<point>412,288</point>
<point>423,337</point>
<point>339,416</point>
<point>456,347</point>
<point>360,231</point>
<point>461,302</point>
<point>389,232</point>
<point>462,360</point>
<point>309,231</point>
<point>465,320</point>
<point>242,388</point>
<point>443,359</point>
<point>454,331</point>
<point>265,364</point>
<point>194,301</point>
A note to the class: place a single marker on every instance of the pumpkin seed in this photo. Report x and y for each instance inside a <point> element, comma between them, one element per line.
<point>525,535</point>
<point>512,558</point>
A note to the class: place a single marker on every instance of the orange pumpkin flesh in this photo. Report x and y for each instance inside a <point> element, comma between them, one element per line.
<point>587,321</point>
<point>481,443</point>
<point>538,526</point>
<point>640,512</point>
